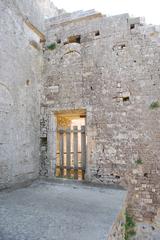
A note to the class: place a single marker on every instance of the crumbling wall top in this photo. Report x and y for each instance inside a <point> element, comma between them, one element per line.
<point>72,17</point>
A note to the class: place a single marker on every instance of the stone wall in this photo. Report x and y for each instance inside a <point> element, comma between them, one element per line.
<point>19,97</point>
<point>32,10</point>
<point>37,10</point>
<point>21,45</point>
<point>112,71</point>
<point>108,66</point>
<point>48,9</point>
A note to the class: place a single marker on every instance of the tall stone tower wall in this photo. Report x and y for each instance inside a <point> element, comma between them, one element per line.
<point>19,96</point>
<point>20,71</point>
<point>112,71</point>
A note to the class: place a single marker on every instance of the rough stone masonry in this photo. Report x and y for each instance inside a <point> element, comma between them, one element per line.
<point>108,66</point>
<point>112,71</point>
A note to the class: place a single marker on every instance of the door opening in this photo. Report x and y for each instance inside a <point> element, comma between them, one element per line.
<point>71,144</point>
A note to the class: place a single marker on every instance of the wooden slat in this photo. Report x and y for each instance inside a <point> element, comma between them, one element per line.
<point>78,168</point>
<point>70,168</point>
<point>61,147</point>
<point>66,152</point>
<point>83,150</point>
<point>68,144</point>
<point>75,147</point>
<point>71,131</point>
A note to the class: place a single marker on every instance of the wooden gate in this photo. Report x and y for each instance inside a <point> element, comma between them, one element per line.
<point>71,153</point>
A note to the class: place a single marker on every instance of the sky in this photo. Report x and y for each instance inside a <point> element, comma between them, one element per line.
<point>150,9</point>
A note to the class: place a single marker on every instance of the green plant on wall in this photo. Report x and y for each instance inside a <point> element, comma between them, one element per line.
<point>155,104</point>
<point>139,161</point>
<point>129,227</point>
<point>51,46</point>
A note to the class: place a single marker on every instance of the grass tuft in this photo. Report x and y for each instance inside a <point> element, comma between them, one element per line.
<point>129,227</point>
<point>139,161</point>
<point>51,46</point>
<point>154,105</point>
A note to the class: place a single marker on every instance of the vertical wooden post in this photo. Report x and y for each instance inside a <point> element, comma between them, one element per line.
<point>61,146</point>
<point>75,148</point>
<point>51,151</point>
<point>68,139</point>
<point>83,150</point>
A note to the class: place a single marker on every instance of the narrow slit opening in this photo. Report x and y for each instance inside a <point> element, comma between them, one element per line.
<point>97,33</point>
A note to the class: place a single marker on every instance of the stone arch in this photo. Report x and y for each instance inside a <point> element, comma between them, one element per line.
<point>70,58</point>
<point>70,68</point>
<point>70,50</point>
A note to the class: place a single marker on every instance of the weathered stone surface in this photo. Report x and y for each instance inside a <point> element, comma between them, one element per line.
<point>118,229</point>
<point>108,66</point>
<point>20,67</point>
<point>37,10</point>
<point>113,73</point>
<point>20,70</point>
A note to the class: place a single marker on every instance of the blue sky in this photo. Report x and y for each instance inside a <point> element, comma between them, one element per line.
<point>150,9</point>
